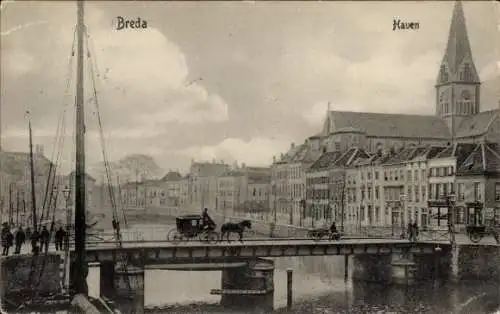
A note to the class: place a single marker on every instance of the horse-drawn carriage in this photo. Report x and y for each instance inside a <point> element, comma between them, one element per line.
<point>323,233</point>
<point>189,227</point>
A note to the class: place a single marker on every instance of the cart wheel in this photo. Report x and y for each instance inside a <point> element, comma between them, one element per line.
<point>212,237</point>
<point>174,236</point>
<point>475,237</point>
<point>203,236</point>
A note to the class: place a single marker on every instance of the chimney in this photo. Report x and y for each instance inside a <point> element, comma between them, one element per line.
<point>282,155</point>
<point>274,159</point>
<point>243,165</point>
<point>292,146</point>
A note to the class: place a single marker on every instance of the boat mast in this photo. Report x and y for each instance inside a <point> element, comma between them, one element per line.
<point>80,271</point>
<point>32,179</point>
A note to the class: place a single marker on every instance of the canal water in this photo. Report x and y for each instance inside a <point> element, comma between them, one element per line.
<point>318,287</point>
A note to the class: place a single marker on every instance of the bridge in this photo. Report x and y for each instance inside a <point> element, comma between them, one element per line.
<point>164,252</point>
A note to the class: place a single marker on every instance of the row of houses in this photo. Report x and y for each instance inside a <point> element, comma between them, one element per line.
<point>16,197</point>
<point>391,188</point>
<point>215,185</point>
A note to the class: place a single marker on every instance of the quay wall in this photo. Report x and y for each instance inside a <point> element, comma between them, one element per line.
<point>479,262</point>
<point>23,274</point>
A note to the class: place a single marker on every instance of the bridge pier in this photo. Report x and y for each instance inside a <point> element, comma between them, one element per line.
<point>122,284</point>
<point>250,285</point>
<point>403,268</point>
<point>454,264</point>
<point>372,268</point>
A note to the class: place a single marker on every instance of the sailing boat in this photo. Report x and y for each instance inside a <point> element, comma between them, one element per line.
<point>78,289</point>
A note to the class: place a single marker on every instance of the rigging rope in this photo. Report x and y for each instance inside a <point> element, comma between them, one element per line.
<point>116,226</point>
<point>60,128</point>
<point>60,135</point>
<point>95,70</point>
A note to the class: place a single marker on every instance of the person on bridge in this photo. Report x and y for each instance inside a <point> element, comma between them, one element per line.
<point>27,233</point>
<point>35,236</point>
<point>206,221</point>
<point>59,238</point>
<point>414,227</point>
<point>7,240</point>
<point>333,228</point>
<point>45,239</point>
<point>19,239</point>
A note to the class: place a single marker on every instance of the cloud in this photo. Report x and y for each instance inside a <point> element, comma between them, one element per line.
<point>257,151</point>
<point>143,83</point>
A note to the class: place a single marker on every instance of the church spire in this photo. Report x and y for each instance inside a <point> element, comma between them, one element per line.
<point>457,63</point>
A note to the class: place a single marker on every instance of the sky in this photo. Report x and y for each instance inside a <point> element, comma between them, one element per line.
<point>225,80</point>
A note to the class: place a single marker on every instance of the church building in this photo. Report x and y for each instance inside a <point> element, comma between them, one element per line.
<point>457,118</point>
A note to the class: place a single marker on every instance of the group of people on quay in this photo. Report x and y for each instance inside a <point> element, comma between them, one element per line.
<point>19,237</point>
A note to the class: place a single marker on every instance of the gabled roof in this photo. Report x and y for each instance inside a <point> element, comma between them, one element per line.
<point>300,154</point>
<point>484,159</point>
<point>325,161</point>
<point>460,150</point>
<point>477,124</point>
<point>390,125</point>
<point>406,154</point>
<point>331,160</point>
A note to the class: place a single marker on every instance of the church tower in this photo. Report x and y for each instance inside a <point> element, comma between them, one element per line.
<point>457,84</point>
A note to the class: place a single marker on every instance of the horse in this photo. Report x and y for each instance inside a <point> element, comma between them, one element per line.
<point>231,227</point>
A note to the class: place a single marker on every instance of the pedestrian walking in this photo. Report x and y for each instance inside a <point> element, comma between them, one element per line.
<point>27,232</point>
<point>66,237</point>
<point>45,239</point>
<point>19,239</point>
<point>410,231</point>
<point>59,238</point>
<point>414,228</point>
<point>7,241</point>
<point>35,236</point>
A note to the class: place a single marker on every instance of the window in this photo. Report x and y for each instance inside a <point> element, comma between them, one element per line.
<point>409,196</point>
<point>466,73</point>
<point>417,193</point>
<point>443,75</point>
<point>377,193</point>
<point>497,191</point>
<point>376,175</point>
<point>477,191</point>
<point>409,176</point>
<point>460,191</point>
<point>369,193</point>
<point>423,193</point>
<point>415,175</point>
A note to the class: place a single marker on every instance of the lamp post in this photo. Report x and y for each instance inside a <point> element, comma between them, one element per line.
<point>67,197</point>
<point>402,198</point>
<point>450,202</point>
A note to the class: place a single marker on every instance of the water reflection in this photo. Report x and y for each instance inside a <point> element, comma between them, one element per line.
<point>318,288</point>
